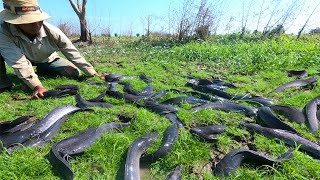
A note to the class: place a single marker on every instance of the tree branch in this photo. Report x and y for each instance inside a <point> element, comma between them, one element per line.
<point>73,5</point>
<point>84,9</point>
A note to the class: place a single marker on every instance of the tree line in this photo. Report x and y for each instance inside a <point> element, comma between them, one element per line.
<point>201,18</point>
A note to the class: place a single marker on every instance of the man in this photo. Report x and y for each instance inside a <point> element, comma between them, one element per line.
<point>27,41</point>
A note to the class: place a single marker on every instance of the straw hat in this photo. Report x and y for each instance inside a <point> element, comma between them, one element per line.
<point>22,12</point>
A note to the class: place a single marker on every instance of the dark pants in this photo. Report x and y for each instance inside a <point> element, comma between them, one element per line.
<point>59,66</point>
<point>5,82</point>
<point>3,71</point>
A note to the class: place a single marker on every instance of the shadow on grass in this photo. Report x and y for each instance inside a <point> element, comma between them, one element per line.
<point>53,168</point>
<point>121,170</point>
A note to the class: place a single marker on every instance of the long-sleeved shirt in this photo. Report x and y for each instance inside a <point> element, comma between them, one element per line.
<point>20,53</point>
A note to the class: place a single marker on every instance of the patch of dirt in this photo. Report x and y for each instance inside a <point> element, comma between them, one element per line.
<point>199,170</point>
<point>216,156</point>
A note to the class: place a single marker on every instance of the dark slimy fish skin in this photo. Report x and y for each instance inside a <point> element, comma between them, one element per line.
<point>216,83</point>
<point>183,99</point>
<point>147,91</point>
<point>228,106</point>
<point>174,119</point>
<point>59,93</point>
<point>21,127</point>
<point>117,77</point>
<point>44,137</point>
<point>203,96</point>
<point>82,103</point>
<point>40,127</point>
<point>67,86</point>
<point>126,96</point>
<point>176,174</point>
<point>260,100</point>
<point>129,89</point>
<point>53,116</point>
<point>214,91</point>
<point>6,125</point>
<point>311,114</point>
<point>144,78</point>
<point>113,77</point>
<point>291,139</point>
<point>290,112</point>
<point>136,149</point>
<point>160,108</point>
<point>77,144</point>
<point>296,83</point>
<point>60,163</point>
<point>99,98</point>
<point>266,115</point>
<point>298,73</point>
<point>233,160</point>
<point>15,138</point>
<point>170,135</point>
<point>208,133</point>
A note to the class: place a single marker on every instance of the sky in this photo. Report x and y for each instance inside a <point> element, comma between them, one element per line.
<point>121,16</point>
<point>129,17</point>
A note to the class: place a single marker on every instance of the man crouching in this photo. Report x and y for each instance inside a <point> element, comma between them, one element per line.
<point>27,41</point>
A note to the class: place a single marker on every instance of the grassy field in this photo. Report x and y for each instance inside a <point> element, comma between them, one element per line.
<point>254,66</point>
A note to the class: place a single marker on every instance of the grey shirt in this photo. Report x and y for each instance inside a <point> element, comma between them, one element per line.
<point>20,53</point>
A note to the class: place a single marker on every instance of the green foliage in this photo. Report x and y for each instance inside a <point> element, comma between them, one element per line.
<point>246,57</point>
<point>254,64</point>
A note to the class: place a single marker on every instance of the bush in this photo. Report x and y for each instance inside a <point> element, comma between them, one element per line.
<point>65,28</point>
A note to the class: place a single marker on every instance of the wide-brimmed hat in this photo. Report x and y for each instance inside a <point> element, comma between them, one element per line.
<point>22,12</point>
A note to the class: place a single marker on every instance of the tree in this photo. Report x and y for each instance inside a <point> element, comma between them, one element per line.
<point>260,15</point>
<point>203,20</point>
<point>194,19</point>
<point>315,31</point>
<point>184,20</point>
<point>245,15</point>
<point>285,14</point>
<point>147,22</point>
<point>80,10</point>
<point>305,24</point>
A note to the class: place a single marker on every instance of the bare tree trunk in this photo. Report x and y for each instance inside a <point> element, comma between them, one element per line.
<point>80,10</point>
<point>267,27</point>
<point>288,13</point>
<point>148,26</point>
<point>259,18</point>
<point>245,16</point>
<point>84,31</point>
<point>185,19</point>
<point>305,24</point>
<point>203,21</point>
<point>229,24</point>
<point>277,27</point>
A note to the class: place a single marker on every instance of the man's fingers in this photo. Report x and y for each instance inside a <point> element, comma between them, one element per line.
<point>34,96</point>
<point>40,94</point>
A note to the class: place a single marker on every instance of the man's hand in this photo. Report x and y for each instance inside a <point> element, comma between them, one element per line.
<point>102,76</point>
<point>38,93</point>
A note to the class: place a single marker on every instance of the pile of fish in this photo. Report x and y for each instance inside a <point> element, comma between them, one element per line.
<point>206,94</point>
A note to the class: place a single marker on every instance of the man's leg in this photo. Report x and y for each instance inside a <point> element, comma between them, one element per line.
<point>5,82</point>
<point>59,66</point>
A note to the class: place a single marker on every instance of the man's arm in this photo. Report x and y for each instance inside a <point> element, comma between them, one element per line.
<point>69,50</point>
<point>16,59</point>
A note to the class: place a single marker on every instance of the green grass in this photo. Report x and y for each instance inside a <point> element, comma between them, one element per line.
<point>254,66</point>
